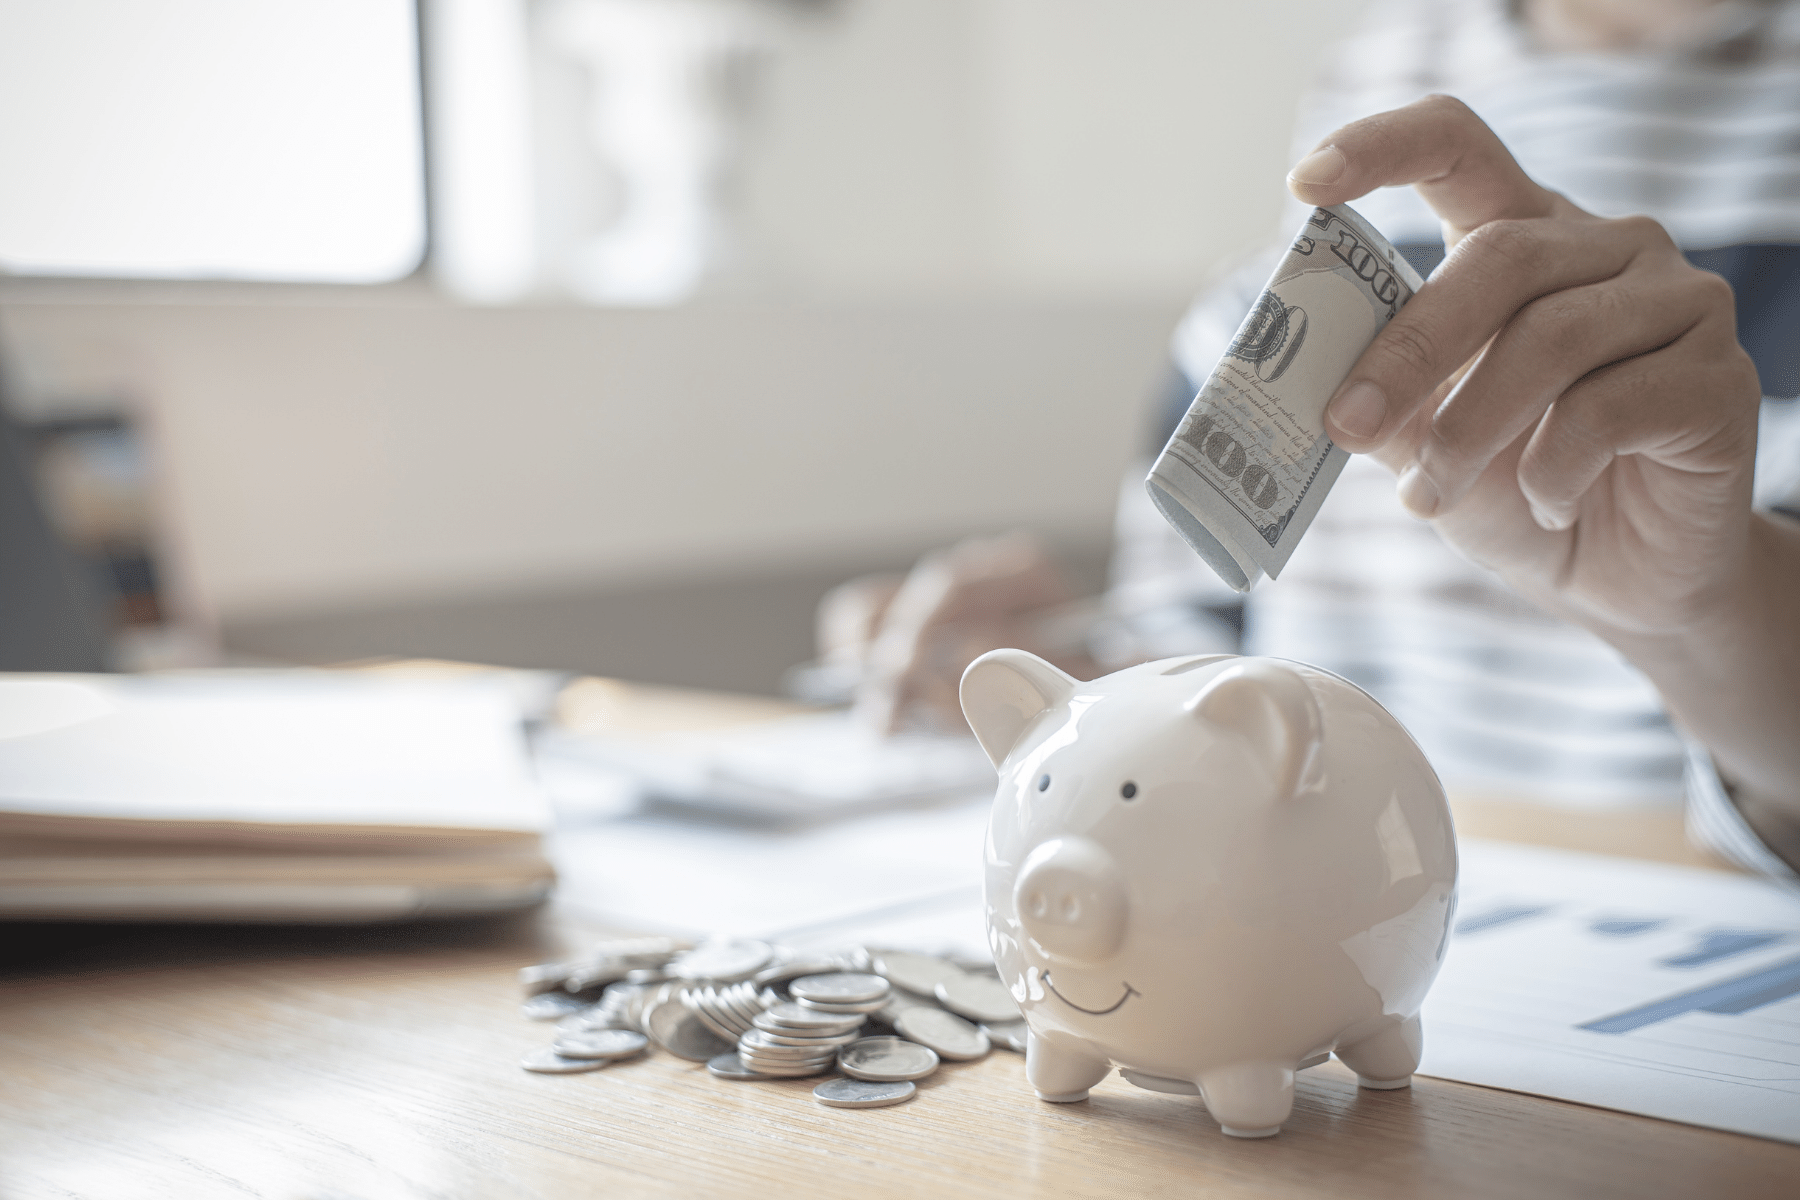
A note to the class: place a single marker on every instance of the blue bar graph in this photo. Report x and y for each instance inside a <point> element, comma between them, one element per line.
<point>1506,914</point>
<point>1732,997</point>
<point>1716,944</point>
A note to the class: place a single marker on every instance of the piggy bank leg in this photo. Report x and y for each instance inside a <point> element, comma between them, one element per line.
<point>1249,1100</point>
<point>1388,1059</point>
<point>1059,1072</point>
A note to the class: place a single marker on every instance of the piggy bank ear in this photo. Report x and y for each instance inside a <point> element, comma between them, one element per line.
<point>1271,706</point>
<point>1003,691</point>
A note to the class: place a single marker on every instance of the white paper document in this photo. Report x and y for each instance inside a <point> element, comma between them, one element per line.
<point>830,884</point>
<point>795,768</point>
<point>1652,989</point>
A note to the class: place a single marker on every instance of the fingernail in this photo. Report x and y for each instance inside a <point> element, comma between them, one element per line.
<point>1321,166</point>
<point>1418,493</point>
<point>1359,409</point>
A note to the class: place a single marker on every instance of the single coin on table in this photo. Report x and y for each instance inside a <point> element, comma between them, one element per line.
<point>602,1043</point>
<point>1010,1034</point>
<point>917,973</point>
<point>979,998</point>
<point>588,1020</point>
<point>948,1034</point>
<point>840,987</point>
<point>729,1066</point>
<point>552,1006</point>
<point>887,1060</point>
<point>859,1093</point>
<point>898,1002</point>
<point>546,1061</point>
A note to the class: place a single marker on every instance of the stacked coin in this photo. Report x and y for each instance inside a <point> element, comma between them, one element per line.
<point>675,1027</point>
<point>841,992</point>
<point>755,1010</point>
<point>793,1039</point>
<point>729,1011</point>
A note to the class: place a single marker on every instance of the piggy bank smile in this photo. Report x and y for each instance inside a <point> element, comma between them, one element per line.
<point>1127,994</point>
<point>1209,873</point>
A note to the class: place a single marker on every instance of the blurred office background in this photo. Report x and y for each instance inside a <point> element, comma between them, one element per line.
<point>603,334</point>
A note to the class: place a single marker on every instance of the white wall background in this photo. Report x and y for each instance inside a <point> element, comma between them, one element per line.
<point>1071,146</point>
<point>968,227</point>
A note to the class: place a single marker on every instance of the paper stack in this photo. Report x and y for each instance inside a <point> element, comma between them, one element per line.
<point>265,796</point>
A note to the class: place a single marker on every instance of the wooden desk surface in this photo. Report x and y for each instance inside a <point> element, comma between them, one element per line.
<point>380,1064</point>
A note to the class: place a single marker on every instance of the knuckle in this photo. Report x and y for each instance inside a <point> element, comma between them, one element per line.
<point>1585,426</point>
<point>1645,230</point>
<point>1740,380</point>
<point>1713,292</point>
<point>1508,246</point>
<point>1408,348</point>
<point>1558,328</point>
<point>1445,105</point>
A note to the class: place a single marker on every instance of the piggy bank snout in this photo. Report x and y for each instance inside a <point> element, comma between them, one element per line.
<point>1071,899</point>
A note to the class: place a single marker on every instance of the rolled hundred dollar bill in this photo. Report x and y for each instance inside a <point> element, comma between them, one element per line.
<point>1250,464</point>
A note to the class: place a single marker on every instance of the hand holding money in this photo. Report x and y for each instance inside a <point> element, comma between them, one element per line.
<point>1566,401</point>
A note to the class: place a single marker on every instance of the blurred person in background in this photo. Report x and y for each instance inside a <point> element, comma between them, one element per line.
<point>1588,532</point>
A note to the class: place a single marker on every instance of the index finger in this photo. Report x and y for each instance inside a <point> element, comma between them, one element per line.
<point>1438,144</point>
<point>1466,174</point>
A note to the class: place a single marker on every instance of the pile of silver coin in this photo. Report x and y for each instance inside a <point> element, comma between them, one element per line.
<point>754,1010</point>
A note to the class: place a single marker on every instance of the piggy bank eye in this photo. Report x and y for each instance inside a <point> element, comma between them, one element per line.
<point>1043,783</point>
<point>1129,791</point>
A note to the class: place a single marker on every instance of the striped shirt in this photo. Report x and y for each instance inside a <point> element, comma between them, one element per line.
<point>1503,697</point>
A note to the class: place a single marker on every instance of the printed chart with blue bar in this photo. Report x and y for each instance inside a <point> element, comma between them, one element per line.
<point>1660,990</point>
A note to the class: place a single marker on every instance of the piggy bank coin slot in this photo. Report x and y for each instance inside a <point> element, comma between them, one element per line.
<point>1195,663</point>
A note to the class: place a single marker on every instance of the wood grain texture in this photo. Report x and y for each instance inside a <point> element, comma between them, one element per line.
<point>381,1063</point>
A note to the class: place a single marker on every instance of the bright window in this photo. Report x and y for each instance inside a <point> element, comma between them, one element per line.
<point>211,139</point>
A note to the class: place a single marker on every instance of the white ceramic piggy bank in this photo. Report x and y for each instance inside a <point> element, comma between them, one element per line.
<point>1211,873</point>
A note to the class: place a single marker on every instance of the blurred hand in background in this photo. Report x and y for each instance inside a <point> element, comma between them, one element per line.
<point>908,638</point>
